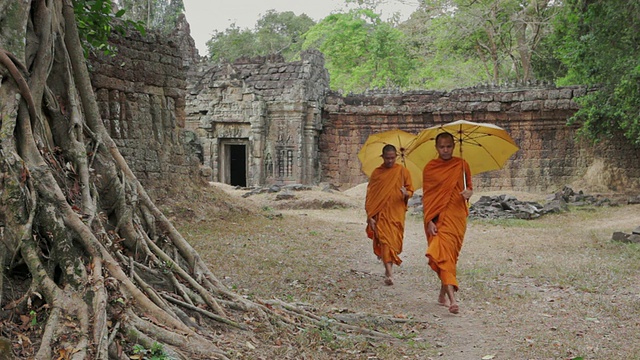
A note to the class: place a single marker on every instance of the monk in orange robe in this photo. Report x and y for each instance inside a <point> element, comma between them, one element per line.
<point>445,209</point>
<point>388,191</point>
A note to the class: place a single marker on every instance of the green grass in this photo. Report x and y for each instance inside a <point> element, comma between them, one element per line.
<point>510,223</point>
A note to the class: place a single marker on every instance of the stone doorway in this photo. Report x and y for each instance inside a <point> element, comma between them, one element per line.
<point>233,167</point>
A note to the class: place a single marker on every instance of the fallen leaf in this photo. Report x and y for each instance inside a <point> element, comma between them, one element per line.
<point>63,354</point>
<point>488,357</point>
<point>23,338</point>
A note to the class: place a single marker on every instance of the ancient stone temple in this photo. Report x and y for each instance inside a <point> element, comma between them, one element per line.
<point>259,119</point>
<point>265,121</point>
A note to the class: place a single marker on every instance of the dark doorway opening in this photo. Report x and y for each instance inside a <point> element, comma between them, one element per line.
<point>238,165</point>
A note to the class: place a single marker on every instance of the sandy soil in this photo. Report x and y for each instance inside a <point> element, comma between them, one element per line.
<point>553,288</point>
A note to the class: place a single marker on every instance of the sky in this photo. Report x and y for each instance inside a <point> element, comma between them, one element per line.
<point>205,16</point>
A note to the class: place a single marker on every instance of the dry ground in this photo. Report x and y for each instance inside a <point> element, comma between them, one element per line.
<point>552,288</point>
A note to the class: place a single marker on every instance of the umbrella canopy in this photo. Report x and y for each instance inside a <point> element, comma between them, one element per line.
<point>485,147</point>
<point>370,155</point>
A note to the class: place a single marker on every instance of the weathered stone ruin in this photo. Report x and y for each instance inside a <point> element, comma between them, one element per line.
<point>141,96</point>
<point>633,238</point>
<point>242,112</point>
<point>259,119</point>
<point>507,206</point>
<point>261,122</point>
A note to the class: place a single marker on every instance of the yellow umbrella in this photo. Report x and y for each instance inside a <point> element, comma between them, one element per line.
<point>485,147</point>
<point>370,155</point>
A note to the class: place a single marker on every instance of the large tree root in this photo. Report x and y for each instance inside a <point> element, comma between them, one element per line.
<point>107,269</point>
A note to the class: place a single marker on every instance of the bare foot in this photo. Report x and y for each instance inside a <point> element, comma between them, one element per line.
<point>454,309</point>
<point>442,300</point>
<point>388,281</point>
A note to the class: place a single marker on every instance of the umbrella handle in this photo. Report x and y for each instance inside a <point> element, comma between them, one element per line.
<point>464,179</point>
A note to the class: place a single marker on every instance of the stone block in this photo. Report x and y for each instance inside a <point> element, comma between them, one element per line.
<point>550,104</point>
<point>494,106</point>
<point>531,95</point>
<point>625,238</point>
<point>530,106</point>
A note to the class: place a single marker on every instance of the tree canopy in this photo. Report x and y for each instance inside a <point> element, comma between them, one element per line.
<point>361,50</point>
<point>599,44</point>
<point>274,33</point>
<point>161,15</point>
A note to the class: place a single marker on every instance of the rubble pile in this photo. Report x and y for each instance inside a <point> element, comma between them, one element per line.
<point>508,207</point>
<point>284,192</point>
<point>579,198</point>
<point>634,237</point>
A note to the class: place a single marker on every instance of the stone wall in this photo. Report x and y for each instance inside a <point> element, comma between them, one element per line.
<point>141,96</point>
<point>535,116</point>
<point>266,105</point>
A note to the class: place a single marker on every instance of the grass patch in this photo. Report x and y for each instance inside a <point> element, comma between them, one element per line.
<point>509,223</point>
<point>526,286</point>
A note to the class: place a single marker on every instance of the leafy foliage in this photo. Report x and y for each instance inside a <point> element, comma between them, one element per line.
<point>499,37</point>
<point>96,20</point>
<point>156,352</point>
<point>281,33</point>
<point>361,50</point>
<point>157,14</point>
<point>598,43</point>
<point>274,33</point>
<point>231,44</point>
<point>441,63</point>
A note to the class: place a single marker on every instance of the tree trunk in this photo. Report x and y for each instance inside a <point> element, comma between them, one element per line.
<point>91,259</point>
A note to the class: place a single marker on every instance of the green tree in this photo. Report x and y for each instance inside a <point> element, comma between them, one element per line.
<point>361,51</point>
<point>502,35</point>
<point>598,41</point>
<point>232,43</point>
<point>96,20</point>
<point>281,33</point>
<point>161,15</point>
<point>274,33</point>
<point>441,64</point>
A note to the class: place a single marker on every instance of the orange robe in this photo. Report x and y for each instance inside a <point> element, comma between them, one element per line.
<point>387,205</point>
<point>442,185</point>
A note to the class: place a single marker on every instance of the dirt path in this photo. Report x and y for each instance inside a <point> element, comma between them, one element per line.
<point>553,288</point>
<point>463,336</point>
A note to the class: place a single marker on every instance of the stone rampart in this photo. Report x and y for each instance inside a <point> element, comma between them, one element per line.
<point>141,97</point>
<point>535,116</point>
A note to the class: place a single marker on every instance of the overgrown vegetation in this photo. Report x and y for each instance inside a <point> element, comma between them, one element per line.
<point>447,44</point>
<point>91,268</point>
<point>598,41</point>
<point>275,33</point>
<point>96,20</point>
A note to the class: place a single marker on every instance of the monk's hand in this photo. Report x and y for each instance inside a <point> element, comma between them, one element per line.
<point>372,223</point>
<point>466,194</point>
<point>432,229</point>
<point>404,192</point>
